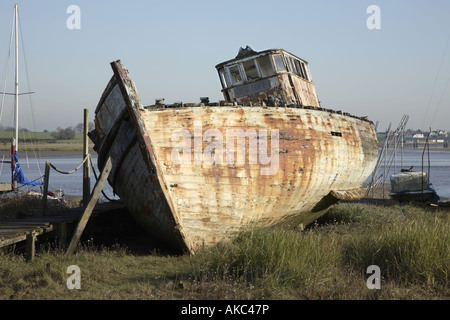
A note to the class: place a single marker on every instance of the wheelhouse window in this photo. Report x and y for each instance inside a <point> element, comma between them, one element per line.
<point>297,67</point>
<point>292,67</point>
<point>279,63</point>
<point>265,66</point>
<point>306,72</point>
<point>251,72</point>
<point>262,67</point>
<point>235,74</point>
<point>224,79</point>
<point>300,70</point>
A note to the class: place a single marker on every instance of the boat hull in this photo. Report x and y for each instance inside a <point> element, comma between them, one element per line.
<point>197,175</point>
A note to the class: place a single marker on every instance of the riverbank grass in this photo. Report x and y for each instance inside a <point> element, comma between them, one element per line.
<point>328,260</point>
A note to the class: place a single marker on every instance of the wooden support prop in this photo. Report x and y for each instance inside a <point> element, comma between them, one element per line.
<point>30,246</point>
<point>44,198</point>
<point>90,206</point>
<point>62,235</point>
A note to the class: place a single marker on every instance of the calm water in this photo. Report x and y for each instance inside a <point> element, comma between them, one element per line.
<point>73,183</point>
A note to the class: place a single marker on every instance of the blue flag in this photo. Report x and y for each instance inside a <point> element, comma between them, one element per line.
<point>19,176</point>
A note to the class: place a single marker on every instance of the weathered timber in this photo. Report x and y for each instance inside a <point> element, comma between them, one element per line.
<point>12,232</point>
<point>15,231</point>
<point>31,246</point>
<point>61,228</point>
<point>46,181</point>
<point>89,207</point>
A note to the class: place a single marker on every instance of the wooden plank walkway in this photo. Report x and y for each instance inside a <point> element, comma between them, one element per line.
<point>15,231</point>
<point>28,229</point>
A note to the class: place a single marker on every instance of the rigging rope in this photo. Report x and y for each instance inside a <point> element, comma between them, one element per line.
<point>88,156</point>
<point>6,72</point>
<point>434,86</point>
<point>29,91</point>
<point>440,100</point>
<point>17,22</point>
<point>96,178</point>
<point>69,172</point>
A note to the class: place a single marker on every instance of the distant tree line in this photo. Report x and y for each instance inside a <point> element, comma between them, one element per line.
<point>3,128</point>
<point>63,134</point>
<point>60,133</point>
<point>69,132</point>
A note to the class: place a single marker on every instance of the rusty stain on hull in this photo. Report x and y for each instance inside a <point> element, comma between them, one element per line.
<point>190,173</point>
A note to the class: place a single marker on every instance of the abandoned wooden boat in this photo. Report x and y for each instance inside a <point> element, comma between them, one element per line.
<point>197,174</point>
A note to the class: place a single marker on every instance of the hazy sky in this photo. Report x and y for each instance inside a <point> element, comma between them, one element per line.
<point>171,47</point>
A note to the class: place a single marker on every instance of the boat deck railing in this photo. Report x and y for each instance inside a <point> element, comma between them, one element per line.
<point>180,105</point>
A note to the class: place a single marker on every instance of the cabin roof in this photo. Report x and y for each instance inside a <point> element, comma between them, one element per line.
<point>245,53</point>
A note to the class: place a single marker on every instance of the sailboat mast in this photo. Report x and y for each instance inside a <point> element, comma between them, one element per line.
<point>15,139</point>
<point>16,99</point>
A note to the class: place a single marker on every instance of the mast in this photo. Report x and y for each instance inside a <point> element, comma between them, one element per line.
<point>15,139</point>
<point>16,95</point>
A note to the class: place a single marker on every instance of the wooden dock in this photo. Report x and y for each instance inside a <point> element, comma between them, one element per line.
<point>28,229</point>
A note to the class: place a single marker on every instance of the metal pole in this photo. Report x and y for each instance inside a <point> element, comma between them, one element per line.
<point>16,110</point>
<point>395,151</point>
<point>15,146</point>
<point>13,164</point>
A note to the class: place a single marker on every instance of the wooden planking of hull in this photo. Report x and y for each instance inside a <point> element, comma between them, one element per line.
<point>196,175</point>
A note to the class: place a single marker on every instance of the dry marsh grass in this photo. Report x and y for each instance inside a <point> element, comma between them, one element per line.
<point>328,260</point>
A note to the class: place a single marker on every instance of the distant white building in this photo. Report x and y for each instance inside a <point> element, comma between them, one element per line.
<point>438,133</point>
<point>442,133</point>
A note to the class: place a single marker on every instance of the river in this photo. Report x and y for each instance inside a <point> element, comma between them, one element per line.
<point>438,169</point>
<point>72,184</point>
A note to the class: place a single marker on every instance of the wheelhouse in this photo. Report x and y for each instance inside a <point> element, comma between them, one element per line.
<point>273,77</point>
